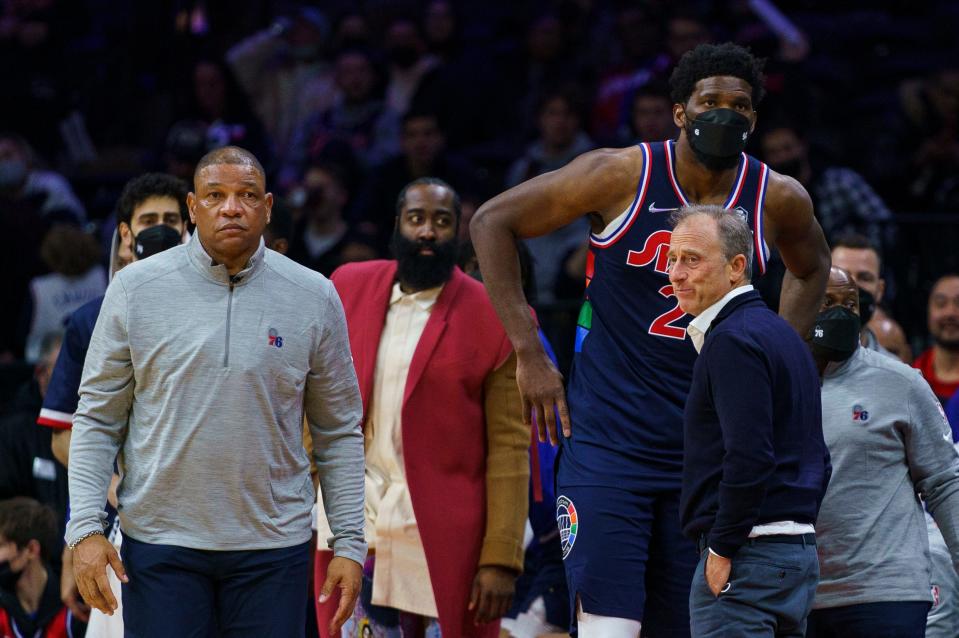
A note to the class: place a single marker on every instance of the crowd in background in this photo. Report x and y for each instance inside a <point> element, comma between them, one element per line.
<point>348,102</point>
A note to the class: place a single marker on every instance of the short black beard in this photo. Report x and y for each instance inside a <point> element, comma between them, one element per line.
<point>421,272</point>
<point>947,344</point>
<point>712,162</point>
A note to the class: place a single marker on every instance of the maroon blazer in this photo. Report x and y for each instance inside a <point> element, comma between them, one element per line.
<point>444,426</point>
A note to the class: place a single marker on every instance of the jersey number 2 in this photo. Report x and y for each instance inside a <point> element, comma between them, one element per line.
<point>662,325</point>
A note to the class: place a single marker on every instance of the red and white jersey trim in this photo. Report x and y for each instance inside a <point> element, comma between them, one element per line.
<point>55,419</point>
<point>621,225</point>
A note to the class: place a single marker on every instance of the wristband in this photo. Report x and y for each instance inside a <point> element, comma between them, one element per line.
<point>74,544</point>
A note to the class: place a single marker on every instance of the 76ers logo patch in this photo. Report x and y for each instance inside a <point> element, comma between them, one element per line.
<point>274,339</point>
<point>568,521</point>
<point>860,413</point>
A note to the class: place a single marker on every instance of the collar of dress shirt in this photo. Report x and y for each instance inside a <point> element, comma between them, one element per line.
<point>697,327</point>
<point>422,298</point>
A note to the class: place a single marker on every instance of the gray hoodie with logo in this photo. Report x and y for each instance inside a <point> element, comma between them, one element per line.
<point>200,382</point>
<point>890,444</point>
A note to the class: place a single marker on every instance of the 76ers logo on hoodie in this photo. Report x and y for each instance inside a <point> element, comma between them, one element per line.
<point>275,339</point>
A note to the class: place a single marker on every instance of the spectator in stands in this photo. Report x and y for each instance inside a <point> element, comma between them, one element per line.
<point>649,57</point>
<point>561,139</point>
<point>358,117</point>
<point>284,73</point>
<point>27,465</point>
<point>888,441</point>
<point>931,112</point>
<point>526,70</point>
<point>637,61</point>
<point>423,154</point>
<point>651,117</point>
<point>73,256</point>
<point>413,324</point>
<point>221,108</point>
<point>29,587</point>
<point>409,62</point>
<point>441,30</point>
<point>940,363</point>
<point>860,258</point>
<point>842,200</point>
<point>351,30</point>
<point>22,178</point>
<point>322,239</point>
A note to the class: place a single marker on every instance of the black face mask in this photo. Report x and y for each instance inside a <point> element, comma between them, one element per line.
<point>718,137</point>
<point>792,167</point>
<point>8,577</point>
<point>835,335</point>
<point>153,240</point>
<point>867,306</point>
<point>423,271</point>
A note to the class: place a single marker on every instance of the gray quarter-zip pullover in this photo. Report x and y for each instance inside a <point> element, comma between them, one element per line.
<point>889,442</point>
<point>200,382</point>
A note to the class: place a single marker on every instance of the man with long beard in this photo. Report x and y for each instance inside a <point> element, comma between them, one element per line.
<point>446,462</point>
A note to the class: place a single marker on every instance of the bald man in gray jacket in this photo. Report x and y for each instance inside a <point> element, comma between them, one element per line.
<point>889,442</point>
<point>202,365</point>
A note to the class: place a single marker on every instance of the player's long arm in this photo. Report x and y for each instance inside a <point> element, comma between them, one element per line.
<point>804,250</point>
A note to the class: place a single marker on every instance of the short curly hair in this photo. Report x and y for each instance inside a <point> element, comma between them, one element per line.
<point>139,189</point>
<point>711,60</point>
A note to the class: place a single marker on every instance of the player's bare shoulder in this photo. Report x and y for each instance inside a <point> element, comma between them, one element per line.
<point>786,196</point>
<point>610,175</point>
<point>788,208</point>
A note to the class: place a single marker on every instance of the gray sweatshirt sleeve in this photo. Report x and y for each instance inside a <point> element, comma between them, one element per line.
<point>934,462</point>
<point>100,422</point>
<point>334,411</point>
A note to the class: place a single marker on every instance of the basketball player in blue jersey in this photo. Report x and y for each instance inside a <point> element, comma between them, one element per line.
<point>619,468</point>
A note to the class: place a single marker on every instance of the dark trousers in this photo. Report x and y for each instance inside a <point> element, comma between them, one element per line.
<point>870,620</point>
<point>191,593</point>
<point>770,592</point>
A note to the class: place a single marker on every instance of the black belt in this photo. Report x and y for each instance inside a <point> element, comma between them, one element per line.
<point>792,539</point>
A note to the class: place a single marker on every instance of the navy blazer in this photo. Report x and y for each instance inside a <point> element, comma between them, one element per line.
<point>754,450</point>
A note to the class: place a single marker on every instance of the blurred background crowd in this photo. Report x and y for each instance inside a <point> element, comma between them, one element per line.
<point>346,102</point>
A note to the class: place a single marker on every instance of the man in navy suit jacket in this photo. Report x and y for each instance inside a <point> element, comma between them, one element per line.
<point>755,465</point>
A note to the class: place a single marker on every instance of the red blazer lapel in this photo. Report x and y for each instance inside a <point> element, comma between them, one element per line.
<point>432,332</point>
<point>366,324</point>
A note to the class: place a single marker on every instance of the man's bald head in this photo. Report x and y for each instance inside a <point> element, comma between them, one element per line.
<point>229,155</point>
<point>840,277</point>
<point>841,290</point>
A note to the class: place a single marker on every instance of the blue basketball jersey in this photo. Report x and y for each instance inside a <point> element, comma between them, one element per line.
<point>633,363</point>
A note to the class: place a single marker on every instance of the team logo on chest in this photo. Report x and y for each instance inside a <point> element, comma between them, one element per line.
<point>860,413</point>
<point>274,338</point>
